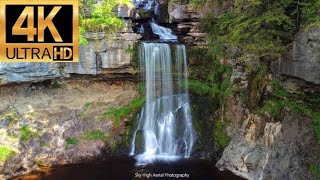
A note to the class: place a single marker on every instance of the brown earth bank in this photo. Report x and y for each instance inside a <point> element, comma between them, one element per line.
<point>56,123</point>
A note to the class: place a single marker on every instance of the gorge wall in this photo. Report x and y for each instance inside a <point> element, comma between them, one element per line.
<point>302,60</point>
<point>59,106</point>
<point>281,147</point>
<point>262,147</point>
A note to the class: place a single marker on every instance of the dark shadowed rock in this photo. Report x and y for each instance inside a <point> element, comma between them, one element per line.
<point>139,142</point>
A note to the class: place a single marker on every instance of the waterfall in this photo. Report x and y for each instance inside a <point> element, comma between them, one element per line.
<point>146,4</point>
<point>165,120</point>
<point>163,32</point>
<point>141,29</point>
<point>149,6</point>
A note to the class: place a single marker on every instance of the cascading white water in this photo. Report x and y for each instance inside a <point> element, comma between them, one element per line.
<point>165,120</point>
<point>146,4</point>
<point>141,29</point>
<point>153,5</point>
<point>163,32</point>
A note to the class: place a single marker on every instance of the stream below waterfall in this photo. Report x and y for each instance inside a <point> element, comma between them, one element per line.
<point>123,168</point>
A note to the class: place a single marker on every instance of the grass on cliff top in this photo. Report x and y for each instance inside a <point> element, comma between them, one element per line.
<point>119,113</point>
<point>5,153</point>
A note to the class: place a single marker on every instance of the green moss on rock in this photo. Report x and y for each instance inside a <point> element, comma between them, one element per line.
<point>280,98</point>
<point>71,141</point>
<point>221,137</point>
<point>6,153</point>
<point>315,170</point>
<point>26,133</point>
<point>257,85</point>
<point>118,114</point>
<point>94,135</point>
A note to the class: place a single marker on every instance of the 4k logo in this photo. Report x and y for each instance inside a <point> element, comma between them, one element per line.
<point>43,23</point>
<point>39,32</point>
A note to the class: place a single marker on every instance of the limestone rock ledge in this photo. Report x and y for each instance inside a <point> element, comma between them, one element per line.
<point>27,72</point>
<point>188,23</point>
<point>102,55</point>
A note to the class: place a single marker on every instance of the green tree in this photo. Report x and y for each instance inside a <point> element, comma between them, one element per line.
<point>311,13</point>
<point>258,29</point>
<point>100,17</point>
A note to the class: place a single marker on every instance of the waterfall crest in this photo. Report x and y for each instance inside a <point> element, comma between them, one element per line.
<point>165,119</point>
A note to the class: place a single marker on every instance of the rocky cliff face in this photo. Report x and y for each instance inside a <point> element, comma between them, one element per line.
<point>303,59</point>
<point>265,148</point>
<point>187,22</point>
<point>262,147</point>
<point>27,72</point>
<point>104,55</point>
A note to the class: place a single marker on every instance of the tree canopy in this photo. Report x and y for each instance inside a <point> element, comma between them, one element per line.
<point>260,29</point>
<point>99,16</point>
